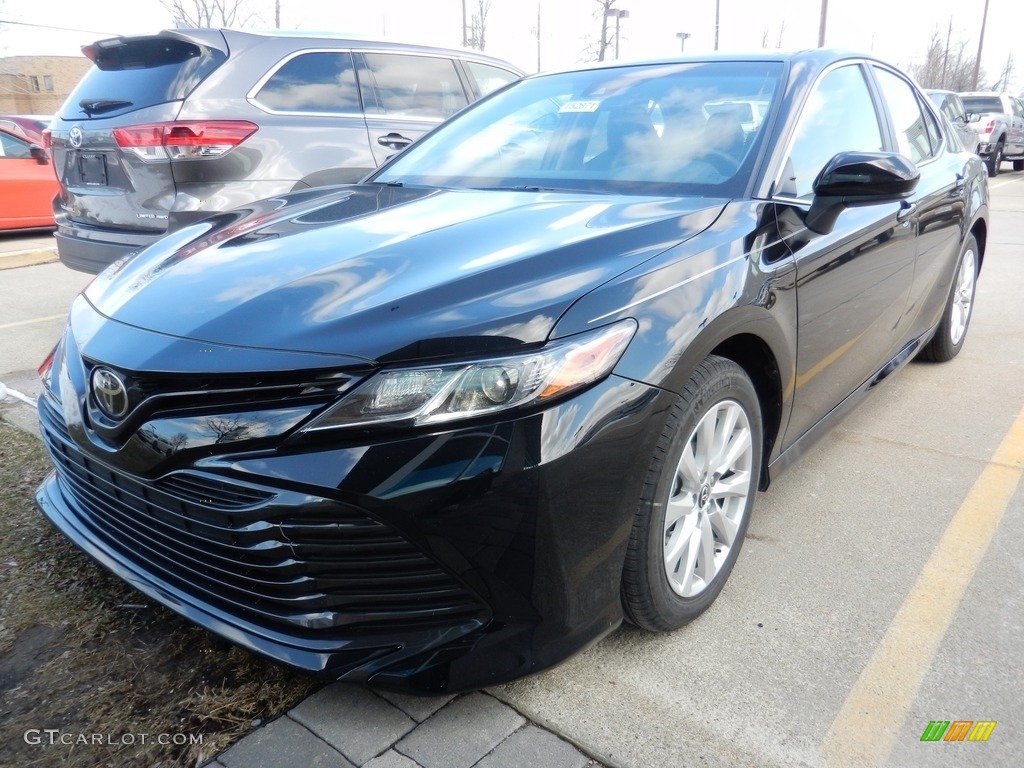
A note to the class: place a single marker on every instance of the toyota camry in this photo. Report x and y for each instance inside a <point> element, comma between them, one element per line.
<point>450,425</point>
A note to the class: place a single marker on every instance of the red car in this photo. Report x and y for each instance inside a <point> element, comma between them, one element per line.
<point>27,183</point>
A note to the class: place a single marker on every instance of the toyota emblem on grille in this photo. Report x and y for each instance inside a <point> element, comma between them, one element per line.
<point>75,137</point>
<point>110,393</point>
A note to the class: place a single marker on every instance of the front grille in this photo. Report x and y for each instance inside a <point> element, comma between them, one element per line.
<point>275,558</point>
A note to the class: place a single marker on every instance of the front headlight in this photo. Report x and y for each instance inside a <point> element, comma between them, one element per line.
<point>438,393</point>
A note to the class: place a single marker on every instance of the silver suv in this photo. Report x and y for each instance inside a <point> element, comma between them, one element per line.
<point>170,128</point>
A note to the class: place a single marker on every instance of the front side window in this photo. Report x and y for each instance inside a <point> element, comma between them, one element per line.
<point>13,147</point>
<point>399,85</point>
<point>839,116</point>
<point>672,129</point>
<point>320,82</point>
<point>917,136</point>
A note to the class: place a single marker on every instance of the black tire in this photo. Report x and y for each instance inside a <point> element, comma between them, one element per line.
<point>1018,165</point>
<point>956,317</point>
<point>720,399</point>
<point>995,159</point>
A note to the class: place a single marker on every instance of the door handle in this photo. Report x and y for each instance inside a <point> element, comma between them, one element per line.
<point>907,210</point>
<point>394,141</point>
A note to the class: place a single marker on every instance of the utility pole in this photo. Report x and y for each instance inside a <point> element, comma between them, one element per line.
<point>465,40</point>
<point>718,14</point>
<point>538,35</point>
<point>821,24</point>
<point>683,37</point>
<point>981,42</point>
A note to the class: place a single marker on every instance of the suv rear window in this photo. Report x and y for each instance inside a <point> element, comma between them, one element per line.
<point>982,103</point>
<point>138,73</point>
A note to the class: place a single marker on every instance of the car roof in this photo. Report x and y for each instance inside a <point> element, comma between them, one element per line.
<point>811,59</point>
<point>238,39</point>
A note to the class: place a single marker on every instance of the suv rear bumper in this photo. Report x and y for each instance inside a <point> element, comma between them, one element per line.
<point>92,250</point>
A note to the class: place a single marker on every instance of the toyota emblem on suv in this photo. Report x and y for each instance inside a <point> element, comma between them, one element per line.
<point>75,137</point>
<point>110,393</point>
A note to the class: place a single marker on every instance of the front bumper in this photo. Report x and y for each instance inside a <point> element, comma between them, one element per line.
<point>438,561</point>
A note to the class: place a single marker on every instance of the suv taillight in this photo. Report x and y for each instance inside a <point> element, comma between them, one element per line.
<point>47,139</point>
<point>184,140</point>
<point>990,126</point>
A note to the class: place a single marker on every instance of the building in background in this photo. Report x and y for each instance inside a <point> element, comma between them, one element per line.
<point>38,85</point>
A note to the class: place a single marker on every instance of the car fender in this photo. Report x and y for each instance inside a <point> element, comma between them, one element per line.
<point>729,291</point>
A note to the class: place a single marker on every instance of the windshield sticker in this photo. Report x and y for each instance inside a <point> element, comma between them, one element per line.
<point>580,106</point>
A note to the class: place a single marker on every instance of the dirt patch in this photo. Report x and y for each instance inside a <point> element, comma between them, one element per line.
<point>94,674</point>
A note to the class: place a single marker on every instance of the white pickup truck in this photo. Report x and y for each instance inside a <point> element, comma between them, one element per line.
<point>998,119</point>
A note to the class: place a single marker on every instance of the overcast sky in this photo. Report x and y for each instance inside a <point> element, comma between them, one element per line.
<point>893,30</point>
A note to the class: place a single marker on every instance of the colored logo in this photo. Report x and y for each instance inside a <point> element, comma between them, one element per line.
<point>958,730</point>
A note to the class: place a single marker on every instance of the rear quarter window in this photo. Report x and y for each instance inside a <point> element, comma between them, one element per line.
<point>139,73</point>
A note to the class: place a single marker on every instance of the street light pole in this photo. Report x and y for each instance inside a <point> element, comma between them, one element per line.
<point>465,40</point>
<point>617,14</point>
<point>683,37</point>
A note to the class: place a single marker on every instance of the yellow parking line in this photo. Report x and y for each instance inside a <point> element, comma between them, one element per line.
<point>46,319</point>
<point>870,720</point>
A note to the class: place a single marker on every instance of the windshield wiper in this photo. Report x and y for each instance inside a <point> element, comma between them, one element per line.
<point>95,106</point>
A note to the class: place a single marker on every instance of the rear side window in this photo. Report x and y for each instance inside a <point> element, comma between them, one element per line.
<point>397,85</point>
<point>489,78</point>
<point>137,73</point>
<point>322,82</point>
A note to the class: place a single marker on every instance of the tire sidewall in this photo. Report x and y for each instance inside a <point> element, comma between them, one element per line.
<point>685,415</point>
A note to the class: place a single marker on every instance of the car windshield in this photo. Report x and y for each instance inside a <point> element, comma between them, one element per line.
<point>683,128</point>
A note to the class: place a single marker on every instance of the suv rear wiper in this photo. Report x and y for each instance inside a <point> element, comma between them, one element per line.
<point>95,106</point>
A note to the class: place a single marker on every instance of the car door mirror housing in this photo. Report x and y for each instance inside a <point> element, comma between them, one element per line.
<point>859,177</point>
<point>39,154</point>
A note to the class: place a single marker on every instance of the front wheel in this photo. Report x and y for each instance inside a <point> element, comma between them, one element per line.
<point>695,506</point>
<point>956,317</point>
<point>995,159</point>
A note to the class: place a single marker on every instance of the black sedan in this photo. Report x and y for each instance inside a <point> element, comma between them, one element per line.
<point>448,426</point>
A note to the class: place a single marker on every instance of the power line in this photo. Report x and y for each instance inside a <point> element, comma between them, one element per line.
<point>62,29</point>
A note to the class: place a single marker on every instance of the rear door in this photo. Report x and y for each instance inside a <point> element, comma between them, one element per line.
<point>108,151</point>
<point>939,200</point>
<point>406,95</point>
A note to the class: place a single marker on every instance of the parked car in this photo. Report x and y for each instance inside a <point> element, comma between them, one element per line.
<point>29,126</point>
<point>450,425</point>
<point>998,119</point>
<point>27,183</point>
<point>950,105</point>
<point>167,129</point>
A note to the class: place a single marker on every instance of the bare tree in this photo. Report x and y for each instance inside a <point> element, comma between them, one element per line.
<point>597,50</point>
<point>209,13</point>
<point>1006,75</point>
<point>226,430</point>
<point>946,64</point>
<point>478,25</point>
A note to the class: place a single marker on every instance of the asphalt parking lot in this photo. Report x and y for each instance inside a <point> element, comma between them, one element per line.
<point>881,586</point>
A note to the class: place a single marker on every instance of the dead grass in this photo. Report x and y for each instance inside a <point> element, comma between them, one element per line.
<point>84,655</point>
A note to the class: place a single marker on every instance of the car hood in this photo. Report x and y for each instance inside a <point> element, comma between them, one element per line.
<point>387,273</point>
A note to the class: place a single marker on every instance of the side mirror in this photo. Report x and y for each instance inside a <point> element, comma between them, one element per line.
<point>973,117</point>
<point>39,154</point>
<point>850,178</point>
